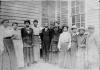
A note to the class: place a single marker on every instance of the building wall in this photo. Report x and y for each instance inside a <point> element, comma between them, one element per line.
<point>55,10</point>
<point>18,11</point>
<point>92,14</point>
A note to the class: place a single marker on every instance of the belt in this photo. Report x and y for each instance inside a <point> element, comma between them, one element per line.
<point>36,35</point>
<point>66,42</point>
<point>7,38</point>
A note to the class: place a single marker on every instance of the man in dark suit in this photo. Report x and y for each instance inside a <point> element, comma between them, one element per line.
<point>46,37</point>
<point>27,38</point>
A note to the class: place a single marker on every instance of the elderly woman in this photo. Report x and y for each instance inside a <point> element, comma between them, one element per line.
<point>74,45</point>
<point>5,45</point>
<point>64,46</point>
<point>93,49</point>
<point>81,53</point>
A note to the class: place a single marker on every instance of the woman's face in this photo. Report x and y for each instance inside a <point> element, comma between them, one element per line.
<point>65,29</point>
<point>15,26</point>
<point>35,23</point>
<point>81,31</point>
<point>74,30</point>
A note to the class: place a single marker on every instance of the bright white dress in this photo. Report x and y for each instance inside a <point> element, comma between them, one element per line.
<point>18,46</point>
<point>93,52</point>
<point>64,54</point>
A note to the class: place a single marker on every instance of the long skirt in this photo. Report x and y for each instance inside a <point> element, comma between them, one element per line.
<point>53,55</point>
<point>8,59</point>
<point>36,49</point>
<point>18,45</point>
<point>65,57</point>
<point>73,54</point>
<point>81,58</point>
<point>28,54</point>
<point>93,58</point>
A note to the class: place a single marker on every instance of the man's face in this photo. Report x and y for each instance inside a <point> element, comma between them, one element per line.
<point>6,23</point>
<point>46,25</point>
<point>27,24</point>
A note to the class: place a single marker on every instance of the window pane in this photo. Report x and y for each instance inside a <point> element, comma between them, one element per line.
<point>82,7</point>
<point>83,18</point>
<point>77,10</point>
<point>73,11</point>
<point>78,18</point>
<point>82,24</point>
<point>73,19</point>
<point>73,3</point>
<point>77,3</point>
<point>78,25</point>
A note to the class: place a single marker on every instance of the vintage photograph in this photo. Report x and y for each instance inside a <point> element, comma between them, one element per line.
<point>49,34</point>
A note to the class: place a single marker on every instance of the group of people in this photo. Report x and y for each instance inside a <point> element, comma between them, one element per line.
<point>67,47</point>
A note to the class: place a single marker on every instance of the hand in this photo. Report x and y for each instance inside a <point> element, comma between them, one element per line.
<point>68,49</point>
<point>59,49</point>
<point>1,51</point>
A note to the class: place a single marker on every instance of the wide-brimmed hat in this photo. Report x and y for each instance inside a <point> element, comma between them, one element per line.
<point>81,28</point>
<point>74,27</point>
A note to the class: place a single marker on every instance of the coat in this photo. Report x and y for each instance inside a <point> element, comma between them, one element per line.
<point>27,37</point>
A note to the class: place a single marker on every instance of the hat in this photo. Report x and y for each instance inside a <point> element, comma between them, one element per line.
<point>81,28</point>
<point>74,26</point>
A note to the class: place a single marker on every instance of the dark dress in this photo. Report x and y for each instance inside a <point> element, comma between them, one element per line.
<point>46,40</point>
<point>53,48</point>
<point>27,38</point>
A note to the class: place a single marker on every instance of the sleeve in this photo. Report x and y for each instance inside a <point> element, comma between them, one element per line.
<point>51,32</point>
<point>22,34</point>
<point>69,46</point>
<point>32,35</point>
<point>41,35</point>
<point>97,41</point>
<point>59,42</point>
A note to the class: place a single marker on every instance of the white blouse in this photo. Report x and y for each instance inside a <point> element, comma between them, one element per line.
<point>4,32</point>
<point>65,37</point>
<point>36,30</point>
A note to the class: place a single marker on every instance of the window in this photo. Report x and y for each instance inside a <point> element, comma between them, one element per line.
<point>78,15</point>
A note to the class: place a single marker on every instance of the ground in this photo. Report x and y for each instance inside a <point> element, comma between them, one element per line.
<point>43,66</point>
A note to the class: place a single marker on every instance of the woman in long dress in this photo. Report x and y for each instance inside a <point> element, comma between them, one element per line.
<point>93,49</point>
<point>6,53</point>
<point>64,46</point>
<point>18,45</point>
<point>74,45</point>
<point>81,53</point>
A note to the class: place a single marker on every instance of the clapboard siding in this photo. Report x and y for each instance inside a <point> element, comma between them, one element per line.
<point>18,11</point>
